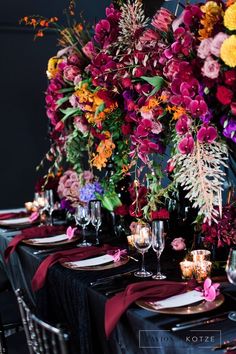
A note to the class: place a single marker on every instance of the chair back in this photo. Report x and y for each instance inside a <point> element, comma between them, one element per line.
<point>42,338</point>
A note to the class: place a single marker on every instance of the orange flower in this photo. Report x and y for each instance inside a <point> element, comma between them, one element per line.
<point>104,152</point>
<point>125,169</point>
<point>33,22</point>
<point>39,34</point>
<point>177,111</point>
<point>212,15</point>
<point>43,23</point>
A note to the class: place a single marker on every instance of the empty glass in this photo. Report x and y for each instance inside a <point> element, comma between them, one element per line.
<point>82,218</point>
<point>158,245</point>
<point>96,216</point>
<point>231,274</point>
<point>50,204</point>
<point>142,241</point>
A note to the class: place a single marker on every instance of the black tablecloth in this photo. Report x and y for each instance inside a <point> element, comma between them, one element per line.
<point>68,298</point>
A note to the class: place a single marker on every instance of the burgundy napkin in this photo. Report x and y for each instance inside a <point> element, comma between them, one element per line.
<point>152,290</point>
<point>71,255</point>
<point>32,232</point>
<point>12,215</point>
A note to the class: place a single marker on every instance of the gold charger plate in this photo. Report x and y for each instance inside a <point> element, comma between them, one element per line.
<point>203,306</point>
<point>110,265</point>
<point>52,244</point>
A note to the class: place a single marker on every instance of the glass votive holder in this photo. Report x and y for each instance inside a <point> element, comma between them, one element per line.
<point>202,270</point>
<point>187,268</point>
<point>201,255</point>
<point>130,240</point>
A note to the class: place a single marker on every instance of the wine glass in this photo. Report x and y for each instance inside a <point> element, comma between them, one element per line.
<point>142,241</point>
<point>50,204</point>
<point>158,245</point>
<point>231,274</point>
<point>82,217</point>
<point>96,216</point>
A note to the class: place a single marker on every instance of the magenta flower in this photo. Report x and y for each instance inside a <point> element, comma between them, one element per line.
<point>162,19</point>
<point>186,145</point>
<point>144,128</point>
<point>70,72</point>
<point>89,50</point>
<point>102,30</point>
<point>182,125</point>
<point>206,134</point>
<point>197,107</point>
<point>191,13</point>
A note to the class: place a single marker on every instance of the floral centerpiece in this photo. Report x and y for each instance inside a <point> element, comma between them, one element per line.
<point>132,90</point>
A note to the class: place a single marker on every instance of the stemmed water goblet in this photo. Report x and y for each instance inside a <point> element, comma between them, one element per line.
<point>49,195</point>
<point>158,245</point>
<point>96,216</point>
<point>82,218</point>
<point>231,274</point>
<point>142,241</point>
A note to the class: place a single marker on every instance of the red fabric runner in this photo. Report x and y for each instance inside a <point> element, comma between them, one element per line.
<point>12,215</point>
<point>148,290</point>
<point>32,232</point>
<point>71,255</point>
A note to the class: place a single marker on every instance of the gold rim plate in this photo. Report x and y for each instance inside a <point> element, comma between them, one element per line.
<point>200,307</point>
<point>110,265</point>
<point>52,244</point>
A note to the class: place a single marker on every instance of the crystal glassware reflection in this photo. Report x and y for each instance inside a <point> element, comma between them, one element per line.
<point>158,245</point>
<point>142,242</point>
<point>96,216</point>
<point>49,195</point>
<point>82,218</point>
<point>231,274</point>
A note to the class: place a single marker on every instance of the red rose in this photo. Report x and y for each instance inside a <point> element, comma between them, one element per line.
<point>224,95</point>
<point>230,77</point>
<point>126,129</point>
<point>162,214</point>
<point>122,210</point>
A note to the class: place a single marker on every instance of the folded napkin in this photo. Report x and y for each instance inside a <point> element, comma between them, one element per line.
<point>12,215</point>
<point>71,255</point>
<point>152,290</point>
<point>32,232</point>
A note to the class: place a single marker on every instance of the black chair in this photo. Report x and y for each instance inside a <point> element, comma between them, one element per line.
<point>42,338</point>
<point>12,336</point>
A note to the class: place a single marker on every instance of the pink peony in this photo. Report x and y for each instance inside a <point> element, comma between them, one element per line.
<point>217,43</point>
<point>70,72</point>
<point>211,68</point>
<point>204,48</point>
<point>178,244</point>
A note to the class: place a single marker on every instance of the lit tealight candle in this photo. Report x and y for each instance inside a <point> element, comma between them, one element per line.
<point>187,268</point>
<point>29,206</point>
<point>202,270</point>
<point>201,255</point>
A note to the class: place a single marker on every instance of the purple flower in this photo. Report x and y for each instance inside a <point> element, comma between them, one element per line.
<point>191,13</point>
<point>88,192</point>
<point>206,134</point>
<point>229,128</point>
<point>186,145</point>
<point>102,30</point>
<point>206,117</point>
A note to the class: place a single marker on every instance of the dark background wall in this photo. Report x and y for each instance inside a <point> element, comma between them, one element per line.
<point>23,63</point>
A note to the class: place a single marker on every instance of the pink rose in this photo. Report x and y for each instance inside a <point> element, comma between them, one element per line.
<point>79,124</point>
<point>217,43</point>
<point>88,176</point>
<point>77,80</point>
<point>204,48</point>
<point>211,68</point>
<point>70,72</point>
<point>74,59</point>
<point>178,244</point>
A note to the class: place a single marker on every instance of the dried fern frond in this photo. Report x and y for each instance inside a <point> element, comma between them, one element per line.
<point>131,24</point>
<point>200,174</point>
